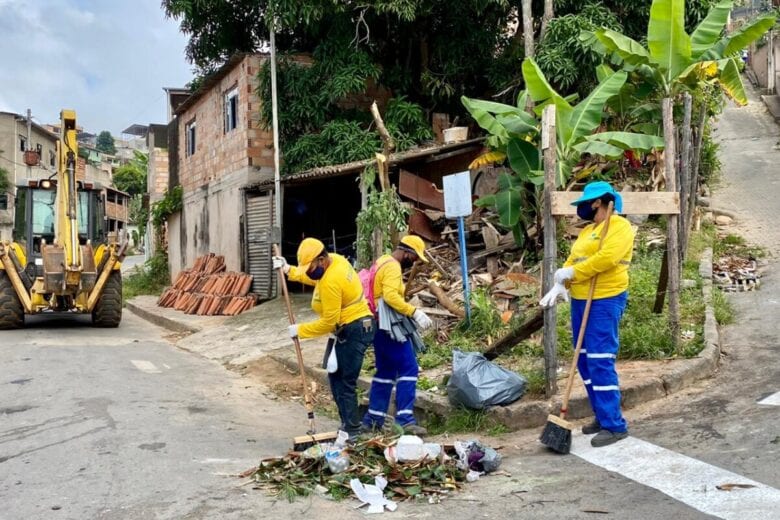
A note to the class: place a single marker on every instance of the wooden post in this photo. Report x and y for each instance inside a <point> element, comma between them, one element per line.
<point>694,187</point>
<point>550,250</point>
<point>685,175</point>
<point>672,237</point>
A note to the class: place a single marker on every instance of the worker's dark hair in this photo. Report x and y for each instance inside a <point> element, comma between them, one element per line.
<point>607,198</point>
<point>323,253</point>
<point>404,247</point>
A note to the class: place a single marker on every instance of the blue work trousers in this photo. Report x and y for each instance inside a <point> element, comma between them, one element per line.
<point>596,363</point>
<point>351,345</point>
<point>396,365</point>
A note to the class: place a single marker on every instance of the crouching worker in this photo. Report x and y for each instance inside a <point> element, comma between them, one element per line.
<point>396,360</point>
<point>343,310</point>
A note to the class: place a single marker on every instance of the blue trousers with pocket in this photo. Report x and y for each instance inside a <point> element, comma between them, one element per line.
<point>351,345</point>
<point>596,363</point>
<point>396,365</point>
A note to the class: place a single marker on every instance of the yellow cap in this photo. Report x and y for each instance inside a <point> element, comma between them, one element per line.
<point>309,249</point>
<point>415,243</point>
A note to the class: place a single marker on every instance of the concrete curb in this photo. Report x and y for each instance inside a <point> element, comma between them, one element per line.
<point>161,321</point>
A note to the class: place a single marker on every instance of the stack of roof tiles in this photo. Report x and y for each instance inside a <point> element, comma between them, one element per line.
<point>207,290</point>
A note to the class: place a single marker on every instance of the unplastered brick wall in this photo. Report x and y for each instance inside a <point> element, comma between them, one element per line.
<point>157,178</point>
<point>219,153</point>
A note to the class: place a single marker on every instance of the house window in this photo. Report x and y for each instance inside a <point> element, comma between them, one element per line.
<point>189,135</point>
<point>22,143</point>
<point>52,158</point>
<point>231,110</point>
<point>3,201</point>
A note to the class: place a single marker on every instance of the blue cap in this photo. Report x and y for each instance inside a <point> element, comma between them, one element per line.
<point>594,190</point>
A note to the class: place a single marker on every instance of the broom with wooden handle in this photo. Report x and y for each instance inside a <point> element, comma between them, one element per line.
<point>557,432</point>
<point>312,437</point>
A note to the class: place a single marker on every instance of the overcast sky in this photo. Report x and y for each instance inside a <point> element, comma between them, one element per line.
<point>107,59</point>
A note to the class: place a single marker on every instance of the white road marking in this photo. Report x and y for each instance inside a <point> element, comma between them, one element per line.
<point>773,400</point>
<point>145,366</point>
<point>683,478</point>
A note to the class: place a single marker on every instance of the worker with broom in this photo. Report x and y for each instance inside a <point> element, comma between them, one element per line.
<point>610,263</point>
<point>343,311</point>
<point>396,360</point>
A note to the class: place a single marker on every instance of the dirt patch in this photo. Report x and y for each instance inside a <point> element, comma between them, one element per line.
<point>285,384</point>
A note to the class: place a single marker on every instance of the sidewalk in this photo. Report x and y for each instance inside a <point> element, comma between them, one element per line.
<point>261,333</point>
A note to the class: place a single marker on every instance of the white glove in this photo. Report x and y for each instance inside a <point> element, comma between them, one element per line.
<point>281,263</point>
<point>422,320</point>
<point>333,362</point>
<point>551,298</point>
<point>564,274</point>
<point>293,330</point>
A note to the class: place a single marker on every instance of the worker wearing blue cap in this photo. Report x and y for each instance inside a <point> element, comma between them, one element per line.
<point>596,363</point>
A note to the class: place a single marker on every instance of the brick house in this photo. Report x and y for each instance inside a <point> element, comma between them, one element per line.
<point>217,146</point>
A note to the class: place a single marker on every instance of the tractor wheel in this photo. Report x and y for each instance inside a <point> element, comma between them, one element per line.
<point>108,309</point>
<point>11,310</point>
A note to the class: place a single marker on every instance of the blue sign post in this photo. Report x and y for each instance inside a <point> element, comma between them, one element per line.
<point>457,204</point>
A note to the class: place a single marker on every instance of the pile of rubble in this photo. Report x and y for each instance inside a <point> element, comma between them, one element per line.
<point>493,264</point>
<point>207,290</point>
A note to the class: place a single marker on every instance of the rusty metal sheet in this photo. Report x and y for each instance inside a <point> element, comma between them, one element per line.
<point>420,190</point>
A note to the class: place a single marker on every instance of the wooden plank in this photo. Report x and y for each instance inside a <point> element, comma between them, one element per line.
<point>634,203</point>
<point>550,337</point>
<point>420,190</point>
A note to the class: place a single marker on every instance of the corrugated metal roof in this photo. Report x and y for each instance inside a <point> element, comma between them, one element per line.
<point>324,172</point>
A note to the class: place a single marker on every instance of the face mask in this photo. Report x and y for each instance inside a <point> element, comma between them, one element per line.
<point>586,212</point>
<point>406,263</point>
<point>318,273</point>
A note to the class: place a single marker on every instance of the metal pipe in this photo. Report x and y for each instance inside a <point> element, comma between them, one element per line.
<point>72,211</point>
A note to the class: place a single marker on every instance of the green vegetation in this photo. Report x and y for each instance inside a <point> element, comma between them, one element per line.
<point>465,420</point>
<point>105,143</point>
<point>384,211</point>
<point>151,278</point>
<point>131,176</point>
<point>5,184</point>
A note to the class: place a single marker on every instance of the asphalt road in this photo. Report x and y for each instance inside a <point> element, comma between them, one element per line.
<point>119,424</point>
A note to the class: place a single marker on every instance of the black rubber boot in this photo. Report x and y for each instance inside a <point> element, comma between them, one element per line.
<point>591,428</point>
<point>606,437</point>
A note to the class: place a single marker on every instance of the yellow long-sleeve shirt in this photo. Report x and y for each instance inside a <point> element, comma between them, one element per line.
<point>611,262</point>
<point>338,297</point>
<point>389,284</point>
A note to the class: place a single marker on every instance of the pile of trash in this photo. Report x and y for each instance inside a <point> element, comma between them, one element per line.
<point>380,471</point>
<point>736,274</point>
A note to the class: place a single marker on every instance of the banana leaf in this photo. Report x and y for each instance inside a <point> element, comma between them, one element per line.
<point>586,116</point>
<point>628,49</point>
<point>523,157</point>
<point>743,37</point>
<point>731,81</point>
<point>629,140</point>
<point>669,44</point>
<point>709,30</point>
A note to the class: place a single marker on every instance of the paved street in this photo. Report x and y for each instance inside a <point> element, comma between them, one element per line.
<point>119,424</point>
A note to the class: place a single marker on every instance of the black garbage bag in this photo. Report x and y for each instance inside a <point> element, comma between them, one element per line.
<point>477,383</point>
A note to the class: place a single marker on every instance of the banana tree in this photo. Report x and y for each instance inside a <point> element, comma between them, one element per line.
<point>514,137</point>
<point>674,60</point>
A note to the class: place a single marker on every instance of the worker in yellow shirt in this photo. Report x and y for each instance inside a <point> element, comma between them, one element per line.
<point>396,361</point>
<point>342,309</point>
<point>596,363</point>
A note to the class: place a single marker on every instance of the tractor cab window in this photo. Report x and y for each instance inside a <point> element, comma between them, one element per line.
<point>83,214</point>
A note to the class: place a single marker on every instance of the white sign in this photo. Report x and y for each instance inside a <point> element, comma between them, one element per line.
<point>457,195</point>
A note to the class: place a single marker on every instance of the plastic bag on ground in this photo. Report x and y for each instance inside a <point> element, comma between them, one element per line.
<point>373,495</point>
<point>477,383</point>
<point>409,447</point>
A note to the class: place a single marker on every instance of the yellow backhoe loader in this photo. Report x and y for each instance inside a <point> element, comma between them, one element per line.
<point>60,260</point>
